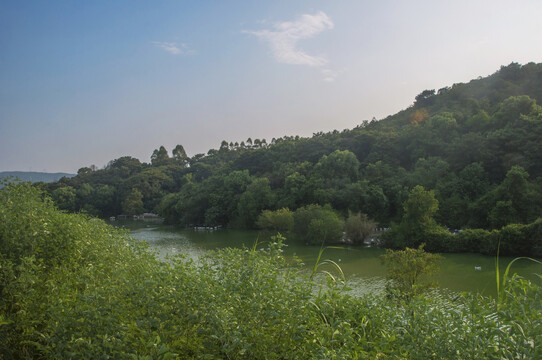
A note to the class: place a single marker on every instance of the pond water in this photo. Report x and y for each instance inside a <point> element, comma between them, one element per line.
<point>361,265</point>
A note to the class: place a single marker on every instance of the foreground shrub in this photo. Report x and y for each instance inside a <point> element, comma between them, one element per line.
<point>73,287</point>
<point>70,286</point>
<point>409,271</point>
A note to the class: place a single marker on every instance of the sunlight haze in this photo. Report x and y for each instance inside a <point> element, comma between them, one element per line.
<point>83,83</point>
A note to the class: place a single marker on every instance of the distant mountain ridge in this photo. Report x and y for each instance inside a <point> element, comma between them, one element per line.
<point>34,176</point>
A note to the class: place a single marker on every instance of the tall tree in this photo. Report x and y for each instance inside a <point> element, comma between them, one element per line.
<point>133,203</point>
<point>257,197</point>
<point>180,155</point>
<point>418,225</point>
<point>159,156</point>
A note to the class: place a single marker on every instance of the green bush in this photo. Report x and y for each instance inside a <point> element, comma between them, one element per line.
<point>359,227</point>
<point>437,239</point>
<point>314,225</point>
<point>279,220</point>
<point>511,240</point>
<point>409,271</point>
<point>472,240</point>
<point>66,279</point>
<point>73,287</point>
<point>519,239</point>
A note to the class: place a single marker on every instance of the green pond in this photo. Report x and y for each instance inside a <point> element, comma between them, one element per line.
<point>361,265</point>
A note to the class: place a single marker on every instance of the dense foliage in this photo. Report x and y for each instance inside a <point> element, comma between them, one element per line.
<point>410,271</point>
<point>476,146</point>
<point>73,287</point>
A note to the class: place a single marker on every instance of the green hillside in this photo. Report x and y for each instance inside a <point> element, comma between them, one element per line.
<point>474,147</point>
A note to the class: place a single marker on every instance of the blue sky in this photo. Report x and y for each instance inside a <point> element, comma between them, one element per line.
<point>83,83</point>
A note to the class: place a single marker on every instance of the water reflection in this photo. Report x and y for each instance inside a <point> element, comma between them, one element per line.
<point>361,265</point>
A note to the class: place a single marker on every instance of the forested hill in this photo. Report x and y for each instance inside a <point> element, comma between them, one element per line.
<point>477,145</point>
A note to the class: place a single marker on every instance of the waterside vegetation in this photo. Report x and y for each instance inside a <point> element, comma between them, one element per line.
<point>73,287</point>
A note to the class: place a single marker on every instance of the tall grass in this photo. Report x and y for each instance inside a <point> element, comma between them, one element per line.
<point>501,282</point>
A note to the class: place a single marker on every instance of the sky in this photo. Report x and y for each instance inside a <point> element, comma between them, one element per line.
<point>86,82</point>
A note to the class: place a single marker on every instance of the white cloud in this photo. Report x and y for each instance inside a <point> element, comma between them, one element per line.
<point>329,75</point>
<point>284,36</point>
<point>174,48</point>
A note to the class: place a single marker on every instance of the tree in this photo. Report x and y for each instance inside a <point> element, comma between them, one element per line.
<point>327,228</point>
<point>278,220</point>
<point>339,164</point>
<point>257,197</point>
<point>419,116</point>
<point>444,125</point>
<point>514,200</point>
<point>224,147</point>
<point>180,155</point>
<point>160,156</point>
<point>236,182</point>
<point>427,172</point>
<point>84,194</point>
<point>511,110</point>
<point>425,97</point>
<point>293,191</point>
<point>473,181</point>
<point>224,192</point>
<point>359,227</point>
<point>128,162</point>
<point>331,179</point>
<point>84,171</point>
<point>418,225</point>
<point>153,183</point>
<point>409,271</point>
<point>375,202</point>
<point>315,225</point>
<point>503,213</point>
<point>517,189</point>
<point>105,200</point>
<point>133,203</point>
<point>420,207</point>
<point>65,198</point>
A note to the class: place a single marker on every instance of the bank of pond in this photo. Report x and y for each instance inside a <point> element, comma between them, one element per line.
<point>74,287</point>
<point>361,265</point>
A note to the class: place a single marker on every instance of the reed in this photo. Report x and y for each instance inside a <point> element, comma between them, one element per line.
<point>319,263</point>
<point>501,283</point>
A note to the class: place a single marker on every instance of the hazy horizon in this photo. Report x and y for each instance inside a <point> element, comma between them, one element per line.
<point>85,83</point>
